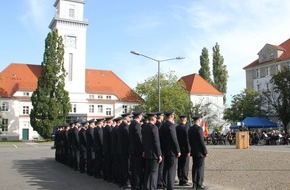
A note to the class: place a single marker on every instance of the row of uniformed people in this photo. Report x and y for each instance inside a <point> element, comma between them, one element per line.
<point>136,154</point>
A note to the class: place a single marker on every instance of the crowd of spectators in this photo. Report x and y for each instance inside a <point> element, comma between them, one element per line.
<point>256,137</point>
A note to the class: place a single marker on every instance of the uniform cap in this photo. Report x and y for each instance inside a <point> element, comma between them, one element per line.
<point>84,122</point>
<point>64,124</point>
<point>151,114</point>
<point>137,112</point>
<point>108,118</point>
<point>99,120</point>
<point>197,116</point>
<point>78,121</point>
<point>159,113</point>
<point>169,112</point>
<point>183,116</point>
<point>125,114</point>
<point>118,119</point>
<point>91,120</point>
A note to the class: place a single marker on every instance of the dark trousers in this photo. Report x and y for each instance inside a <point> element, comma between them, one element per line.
<point>169,171</point>
<point>116,169</point>
<point>99,163</point>
<point>136,171</point>
<point>160,173</point>
<point>83,161</point>
<point>90,162</point>
<point>197,171</point>
<point>108,164</point>
<point>182,169</point>
<point>76,158</point>
<point>151,174</point>
<point>124,170</point>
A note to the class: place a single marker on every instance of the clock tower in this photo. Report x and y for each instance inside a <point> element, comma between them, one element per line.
<point>71,25</point>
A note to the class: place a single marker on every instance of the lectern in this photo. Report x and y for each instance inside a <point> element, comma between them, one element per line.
<point>242,139</point>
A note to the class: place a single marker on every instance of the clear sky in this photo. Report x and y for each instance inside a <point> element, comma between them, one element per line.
<point>160,29</point>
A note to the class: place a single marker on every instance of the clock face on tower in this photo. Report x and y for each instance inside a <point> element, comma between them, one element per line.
<point>70,41</point>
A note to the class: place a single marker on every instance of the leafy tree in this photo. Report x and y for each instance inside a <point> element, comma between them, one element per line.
<point>204,70</point>
<point>50,100</point>
<point>278,98</point>
<point>248,103</point>
<point>220,72</point>
<point>172,92</point>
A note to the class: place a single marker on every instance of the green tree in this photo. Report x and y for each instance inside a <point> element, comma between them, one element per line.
<point>220,72</point>
<point>172,91</point>
<point>278,99</point>
<point>248,103</point>
<point>50,100</point>
<point>204,70</point>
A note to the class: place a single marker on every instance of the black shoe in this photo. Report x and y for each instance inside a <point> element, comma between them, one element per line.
<point>201,187</point>
<point>185,184</point>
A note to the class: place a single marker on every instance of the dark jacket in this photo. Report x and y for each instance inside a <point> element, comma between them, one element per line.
<point>90,138</point>
<point>182,137</point>
<point>75,138</point>
<point>98,139</point>
<point>168,139</point>
<point>135,138</point>
<point>83,140</point>
<point>196,141</point>
<point>123,138</point>
<point>150,141</point>
<point>114,141</point>
<point>107,139</point>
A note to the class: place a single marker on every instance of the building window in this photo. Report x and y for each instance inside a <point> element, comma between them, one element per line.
<point>70,67</point>
<point>91,96</point>
<point>125,108</point>
<point>100,108</point>
<point>5,106</point>
<point>267,86</point>
<point>73,108</point>
<point>278,68</point>
<point>109,97</point>
<point>258,87</point>
<point>4,125</point>
<point>100,96</point>
<point>25,110</point>
<point>91,109</point>
<point>108,111</point>
<point>257,73</point>
<point>71,13</point>
<point>268,71</point>
<point>25,93</point>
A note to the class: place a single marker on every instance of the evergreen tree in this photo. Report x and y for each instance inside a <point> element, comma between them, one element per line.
<point>204,70</point>
<point>220,72</point>
<point>50,100</point>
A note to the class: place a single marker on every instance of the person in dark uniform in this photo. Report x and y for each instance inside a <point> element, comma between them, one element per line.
<point>107,171</point>
<point>65,144</point>
<point>90,148</point>
<point>76,145</point>
<point>198,152</point>
<point>98,147</point>
<point>152,152</point>
<point>123,144</point>
<point>57,144</point>
<point>183,160</point>
<point>70,144</point>
<point>159,121</point>
<point>83,146</point>
<point>170,149</point>
<point>114,151</point>
<point>136,150</point>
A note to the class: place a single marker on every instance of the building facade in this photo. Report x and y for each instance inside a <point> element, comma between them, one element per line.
<point>271,59</point>
<point>93,93</point>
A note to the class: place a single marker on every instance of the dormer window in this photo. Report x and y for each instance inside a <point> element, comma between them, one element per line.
<point>25,93</point>
<point>268,71</point>
<point>278,68</point>
<point>72,13</point>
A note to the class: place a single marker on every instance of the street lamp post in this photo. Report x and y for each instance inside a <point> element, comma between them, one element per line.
<point>158,61</point>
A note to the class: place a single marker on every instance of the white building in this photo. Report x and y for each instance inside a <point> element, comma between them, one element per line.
<point>205,95</point>
<point>93,93</point>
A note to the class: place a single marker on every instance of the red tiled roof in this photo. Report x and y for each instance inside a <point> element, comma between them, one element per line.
<point>25,76</point>
<point>285,46</point>
<point>195,84</point>
<point>106,82</point>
